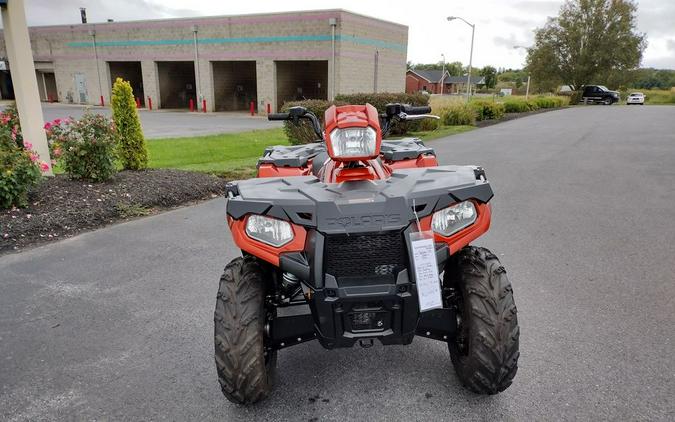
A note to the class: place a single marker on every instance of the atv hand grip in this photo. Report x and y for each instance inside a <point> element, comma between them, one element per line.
<point>416,110</point>
<point>278,116</point>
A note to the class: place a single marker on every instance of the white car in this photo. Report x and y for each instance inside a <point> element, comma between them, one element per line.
<point>636,98</point>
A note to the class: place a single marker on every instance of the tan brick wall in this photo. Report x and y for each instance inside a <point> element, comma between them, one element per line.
<point>262,38</point>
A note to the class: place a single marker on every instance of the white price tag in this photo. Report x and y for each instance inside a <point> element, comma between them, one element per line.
<point>426,271</point>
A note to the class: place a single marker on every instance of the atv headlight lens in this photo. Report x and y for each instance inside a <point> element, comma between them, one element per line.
<point>269,230</point>
<point>353,142</point>
<point>449,221</point>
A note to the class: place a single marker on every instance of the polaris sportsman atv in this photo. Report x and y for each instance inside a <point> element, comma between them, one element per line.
<point>354,239</point>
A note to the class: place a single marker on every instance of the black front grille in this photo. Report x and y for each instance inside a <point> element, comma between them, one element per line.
<point>367,255</point>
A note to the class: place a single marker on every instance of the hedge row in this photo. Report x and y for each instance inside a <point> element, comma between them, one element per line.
<point>303,133</point>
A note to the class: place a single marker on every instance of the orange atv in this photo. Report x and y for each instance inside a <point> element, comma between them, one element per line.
<point>354,239</point>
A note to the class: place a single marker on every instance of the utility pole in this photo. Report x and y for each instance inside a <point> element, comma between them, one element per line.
<point>443,74</point>
<point>527,89</point>
<point>24,79</point>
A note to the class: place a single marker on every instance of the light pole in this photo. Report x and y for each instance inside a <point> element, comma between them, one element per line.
<point>473,30</point>
<point>92,32</point>
<point>199,79</point>
<point>333,25</point>
<point>527,89</point>
<point>443,74</point>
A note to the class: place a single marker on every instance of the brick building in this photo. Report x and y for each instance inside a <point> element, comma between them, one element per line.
<point>229,61</point>
<point>430,81</point>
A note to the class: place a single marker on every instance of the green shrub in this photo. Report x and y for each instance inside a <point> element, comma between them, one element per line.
<point>303,133</point>
<point>19,165</point>
<point>552,101</point>
<point>131,148</point>
<point>380,100</point>
<point>88,148</point>
<point>516,105</point>
<point>487,110</point>
<point>457,114</point>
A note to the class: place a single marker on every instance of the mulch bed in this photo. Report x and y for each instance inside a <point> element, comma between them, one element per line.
<point>513,116</point>
<point>60,207</point>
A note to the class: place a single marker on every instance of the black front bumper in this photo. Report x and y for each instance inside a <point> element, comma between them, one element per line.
<point>346,309</point>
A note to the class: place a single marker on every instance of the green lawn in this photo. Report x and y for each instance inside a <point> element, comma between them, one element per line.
<point>229,155</point>
<point>235,155</point>
<point>441,132</point>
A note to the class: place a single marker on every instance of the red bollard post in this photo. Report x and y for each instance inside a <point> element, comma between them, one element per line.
<point>269,108</point>
<point>203,106</point>
<point>149,103</point>
<point>102,103</point>
<point>138,102</point>
<point>192,105</point>
<point>252,108</point>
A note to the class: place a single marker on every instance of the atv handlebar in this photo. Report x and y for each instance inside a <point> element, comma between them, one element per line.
<point>278,116</point>
<point>416,110</point>
<point>294,114</point>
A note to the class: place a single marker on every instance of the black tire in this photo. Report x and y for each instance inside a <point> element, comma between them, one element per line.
<point>485,351</point>
<point>607,101</point>
<point>245,371</point>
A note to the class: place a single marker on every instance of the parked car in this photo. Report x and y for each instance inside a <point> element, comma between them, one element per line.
<point>599,94</point>
<point>636,98</point>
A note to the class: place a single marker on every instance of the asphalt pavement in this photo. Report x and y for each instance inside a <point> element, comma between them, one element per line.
<point>171,123</point>
<point>117,323</point>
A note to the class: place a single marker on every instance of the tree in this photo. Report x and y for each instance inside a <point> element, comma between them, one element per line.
<point>490,75</point>
<point>588,42</point>
<point>453,68</point>
<point>131,147</point>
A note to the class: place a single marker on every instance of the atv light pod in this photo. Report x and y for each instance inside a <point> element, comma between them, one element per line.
<point>449,221</point>
<point>271,231</point>
<point>353,142</point>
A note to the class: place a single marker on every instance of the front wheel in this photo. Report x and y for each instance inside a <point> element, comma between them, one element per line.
<point>608,101</point>
<point>485,351</point>
<point>245,366</point>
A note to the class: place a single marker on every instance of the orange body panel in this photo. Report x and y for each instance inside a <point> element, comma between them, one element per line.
<point>261,250</point>
<point>427,160</point>
<point>270,170</point>
<point>462,238</point>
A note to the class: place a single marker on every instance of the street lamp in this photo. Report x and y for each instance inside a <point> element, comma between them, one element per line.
<point>473,30</point>
<point>443,73</point>
<point>527,89</point>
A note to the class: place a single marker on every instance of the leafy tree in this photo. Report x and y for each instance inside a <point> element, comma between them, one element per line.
<point>453,68</point>
<point>131,147</point>
<point>589,41</point>
<point>490,75</point>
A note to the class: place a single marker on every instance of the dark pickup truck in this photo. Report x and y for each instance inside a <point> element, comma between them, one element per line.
<point>599,94</point>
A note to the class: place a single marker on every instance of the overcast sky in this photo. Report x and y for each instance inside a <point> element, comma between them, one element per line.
<point>500,24</point>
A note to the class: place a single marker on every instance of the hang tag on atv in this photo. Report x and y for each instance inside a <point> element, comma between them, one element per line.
<point>426,270</point>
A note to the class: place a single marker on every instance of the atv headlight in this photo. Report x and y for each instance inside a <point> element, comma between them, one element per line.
<point>449,221</point>
<point>268,230</point>
<point>353,142</point>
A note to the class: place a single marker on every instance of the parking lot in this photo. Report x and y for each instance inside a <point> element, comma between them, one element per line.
<point>168,123</point>
<point>117,323</point>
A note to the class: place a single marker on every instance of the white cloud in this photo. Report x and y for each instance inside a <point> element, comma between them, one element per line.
<point>498,23</point>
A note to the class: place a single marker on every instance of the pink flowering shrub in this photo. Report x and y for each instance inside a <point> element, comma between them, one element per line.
<point>84,148</point>
<point>57,131</point>
<point>19,165</point>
